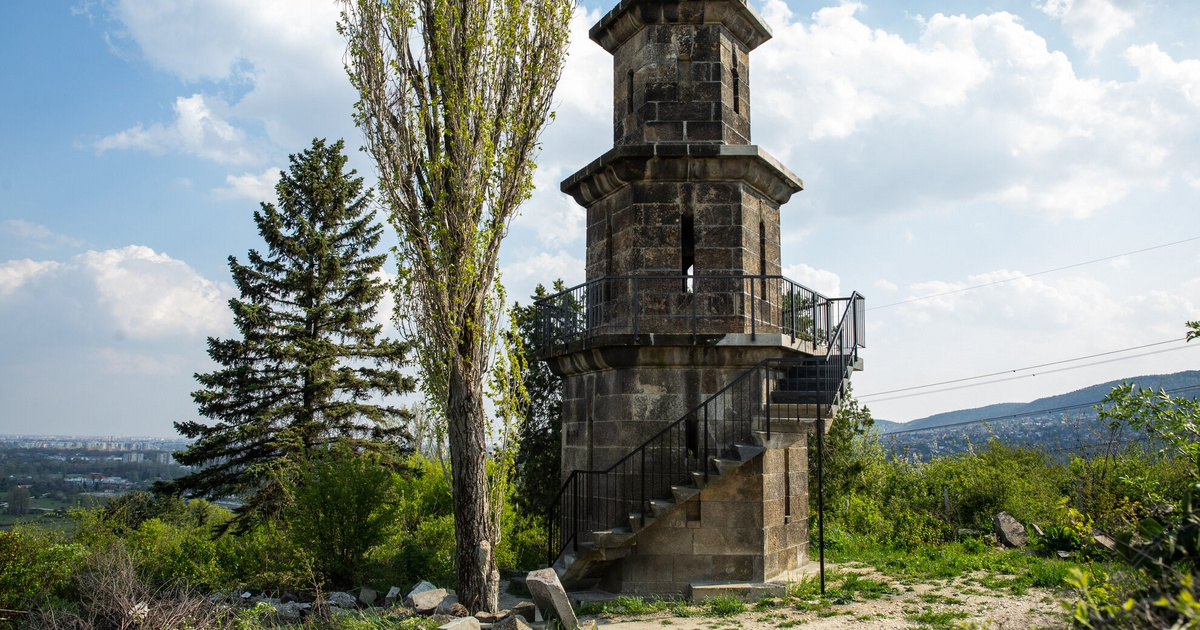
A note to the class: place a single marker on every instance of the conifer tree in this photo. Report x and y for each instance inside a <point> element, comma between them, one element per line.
<point>310,366</point>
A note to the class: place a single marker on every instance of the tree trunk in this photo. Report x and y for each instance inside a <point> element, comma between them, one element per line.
<point>478,578</point>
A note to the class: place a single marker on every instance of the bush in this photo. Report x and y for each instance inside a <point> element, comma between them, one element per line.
<point>35,566</point>
<point>177,554</point>
<point>345,505</point>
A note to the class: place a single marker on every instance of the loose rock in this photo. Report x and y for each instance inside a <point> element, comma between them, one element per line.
<point>429,602</point>
<point>462,623</point>
<point>421,587</point>
<point>1009,530</point>
<point>392,595</point>
<point>550,597</point>
<point>368,596</point>
<point>528,610</point>
<point>515,622</point>
<point>341,599</point>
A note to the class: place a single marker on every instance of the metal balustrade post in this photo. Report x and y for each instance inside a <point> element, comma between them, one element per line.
<point>753,319</point>
<point>642,502</point>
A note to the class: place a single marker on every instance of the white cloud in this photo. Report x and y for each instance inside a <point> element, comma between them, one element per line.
<point>197,130</point>
<point>982,111</point>
<point>38,234</point>
<point>130,293</point>
<point>255,187</point>
<point>284,56</point>
<point>1090,23</point>
<point>820,280</point>
<point>15,273</point>
<point>554,218</point>
<point>113,361</point>
<point>586,84</point>
<point>522,276</point>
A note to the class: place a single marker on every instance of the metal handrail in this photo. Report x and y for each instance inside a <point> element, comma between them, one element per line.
<point>681,304</point>
<point>594,500</point>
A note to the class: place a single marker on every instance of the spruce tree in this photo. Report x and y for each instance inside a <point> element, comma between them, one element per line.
<point>310,366</point>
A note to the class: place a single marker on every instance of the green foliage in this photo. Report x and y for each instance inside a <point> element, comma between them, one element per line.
<point>35,565</point>
<point>172,553</point>
<point>345,505</point>
<point>540,440</point>
<point>724,607</point>
<point>309,357</point>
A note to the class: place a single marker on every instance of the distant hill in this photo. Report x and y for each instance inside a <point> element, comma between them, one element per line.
<point>1085,396</point>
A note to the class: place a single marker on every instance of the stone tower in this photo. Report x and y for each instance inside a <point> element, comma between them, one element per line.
<point>685,339</point>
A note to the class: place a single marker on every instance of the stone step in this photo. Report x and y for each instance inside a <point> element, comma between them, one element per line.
<point>659,507</point>
<point>683,493</point>
<point>779,439</point>
<point>725,466</point>
<point>613,538</point>
<point>638,522</point>
<point>698,478</point>
<point>747,452</point>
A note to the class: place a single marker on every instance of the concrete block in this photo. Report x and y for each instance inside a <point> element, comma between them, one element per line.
<point>551,598</point>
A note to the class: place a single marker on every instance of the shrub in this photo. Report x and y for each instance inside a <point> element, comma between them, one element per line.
<point>345,505</point>
<point>174,553</point>
<point>35,566</point>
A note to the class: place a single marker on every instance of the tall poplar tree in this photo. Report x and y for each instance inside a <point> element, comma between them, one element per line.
<point>309,366</point>
<point>453,97</point>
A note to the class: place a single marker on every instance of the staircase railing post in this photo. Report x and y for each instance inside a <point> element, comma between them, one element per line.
<point>753,317</point>
<point>642,503</point>
<point>821,485</point>
<point>636,307</point>
<point>704,462</point>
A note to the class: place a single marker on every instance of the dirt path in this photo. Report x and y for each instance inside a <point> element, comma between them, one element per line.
<point>957,603</point>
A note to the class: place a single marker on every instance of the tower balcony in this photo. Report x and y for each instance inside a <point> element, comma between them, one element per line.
<point>685,310</point>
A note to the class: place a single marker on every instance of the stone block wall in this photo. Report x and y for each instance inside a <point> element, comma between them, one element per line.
<point>681,84</point>
<point>749,527</point>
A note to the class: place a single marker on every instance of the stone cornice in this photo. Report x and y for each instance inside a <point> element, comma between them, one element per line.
<point>682,163</point>
<point>628,17</point>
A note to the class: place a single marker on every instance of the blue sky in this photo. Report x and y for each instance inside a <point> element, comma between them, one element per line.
<point>943,145</point>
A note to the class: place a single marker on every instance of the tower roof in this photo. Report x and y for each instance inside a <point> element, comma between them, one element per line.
<point>628,17</point>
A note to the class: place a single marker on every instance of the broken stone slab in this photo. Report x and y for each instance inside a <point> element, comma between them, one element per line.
<point>368,596</point>
<point>421,587</point>
<point>429,602</point>
<point>1104,540</point>
<point>341,599</point>
<point>1037,530</point>
<point>526,609</point>
<point>1009,530</point>
<point>514,622</point>
<point>551,598</point>
<point>743,591</point>
<point>292,610</point>
<point>392,595</point>
<point>489,617</point>
<point>461,623</point>
<point>448,603</point>
<point>458,610</point>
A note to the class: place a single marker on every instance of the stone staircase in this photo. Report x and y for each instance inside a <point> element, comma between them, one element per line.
<point>791,412</point>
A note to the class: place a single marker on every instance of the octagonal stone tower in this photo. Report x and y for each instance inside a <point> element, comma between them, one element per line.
<point>682,309</point>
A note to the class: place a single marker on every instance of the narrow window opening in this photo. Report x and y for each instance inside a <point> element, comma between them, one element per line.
<point>737,92</point>
<point>687,247</point>
<point>629,91</point>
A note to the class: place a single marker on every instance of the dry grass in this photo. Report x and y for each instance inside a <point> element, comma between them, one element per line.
<point>114,594</point>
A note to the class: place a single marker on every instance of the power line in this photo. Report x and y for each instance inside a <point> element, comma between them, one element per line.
<point>1030,275</point>
<point>1016,378</point>
<point>1023,414</point>
<point>1031,367</point>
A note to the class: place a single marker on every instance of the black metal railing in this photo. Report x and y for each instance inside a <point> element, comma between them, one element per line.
<point>776,389</point>
<point>687,305</point>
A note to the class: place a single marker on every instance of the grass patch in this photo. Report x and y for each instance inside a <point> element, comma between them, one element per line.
<point>724,607</point>
<point>940,620</point>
